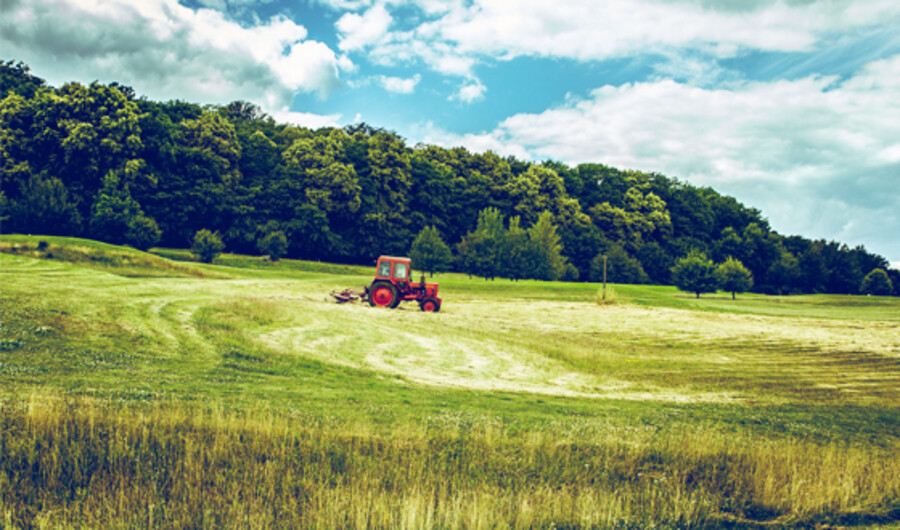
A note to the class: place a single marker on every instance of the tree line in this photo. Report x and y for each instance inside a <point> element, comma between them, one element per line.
<point>99,161</point>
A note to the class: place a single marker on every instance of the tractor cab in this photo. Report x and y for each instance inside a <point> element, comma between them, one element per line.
<point>393,269</point>
<point>393,284</point>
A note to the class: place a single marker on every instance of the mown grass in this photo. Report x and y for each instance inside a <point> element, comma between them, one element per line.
<point>249,399</point>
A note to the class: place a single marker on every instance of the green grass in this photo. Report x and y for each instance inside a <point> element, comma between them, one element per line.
<point>765,409</point>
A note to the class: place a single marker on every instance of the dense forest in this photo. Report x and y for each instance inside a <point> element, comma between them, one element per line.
<point>100,161</point>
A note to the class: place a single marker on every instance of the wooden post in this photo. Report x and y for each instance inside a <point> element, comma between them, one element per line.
<point>604,276</point>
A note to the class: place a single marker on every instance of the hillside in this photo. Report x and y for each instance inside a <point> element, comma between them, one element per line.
<point>102,162</point>
<point>168,393</point>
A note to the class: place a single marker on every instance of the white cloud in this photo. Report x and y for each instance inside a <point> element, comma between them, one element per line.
<point>400,85</point>
<point>814,154</point>
<point>165,50</point>
<point>304,119</point>
<point>346,65</point>
<point>587,29</point>
<point>453,37</point>
<point>470,91</point>
<point>359,31</point>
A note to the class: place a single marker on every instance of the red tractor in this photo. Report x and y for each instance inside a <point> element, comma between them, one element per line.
<point>392,285</point>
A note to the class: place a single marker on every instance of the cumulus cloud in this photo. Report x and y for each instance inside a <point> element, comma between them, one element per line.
<point>358,31</point>
<point>162,48</point>
<point>400,85</point>
<point>452,37</point>
<point>470,91</point>
<point>586,29</point>
<point>431,134</point>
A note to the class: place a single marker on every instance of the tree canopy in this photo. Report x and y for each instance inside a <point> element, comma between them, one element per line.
<point>98,160</point>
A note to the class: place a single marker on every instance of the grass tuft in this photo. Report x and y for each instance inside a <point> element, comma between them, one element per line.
<point>607,298</point>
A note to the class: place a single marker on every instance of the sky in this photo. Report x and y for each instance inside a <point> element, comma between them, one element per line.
<point>790,106</point>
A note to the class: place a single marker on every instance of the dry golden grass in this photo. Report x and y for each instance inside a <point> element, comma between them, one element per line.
<point>79,462</point>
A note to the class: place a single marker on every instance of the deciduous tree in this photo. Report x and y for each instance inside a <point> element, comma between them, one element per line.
<point>695,273</point>
<point>876,283</point>
<point>734,277</point>
<point>429,252</point>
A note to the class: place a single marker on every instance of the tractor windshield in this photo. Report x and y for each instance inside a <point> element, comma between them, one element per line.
<point>400,271</point>
<point>384,269</point>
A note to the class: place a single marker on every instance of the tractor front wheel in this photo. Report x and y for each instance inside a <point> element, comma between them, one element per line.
<point>430,305</point>
<point>383,294</point>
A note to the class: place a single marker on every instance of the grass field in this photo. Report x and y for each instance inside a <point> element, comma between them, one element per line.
<point>141,390</point>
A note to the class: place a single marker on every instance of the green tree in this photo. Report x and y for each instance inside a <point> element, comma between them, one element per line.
<point>728,245</point>
<point>641,218</point>
<point>43,207</point>
<point>142,233</point>
<point>515,255</point>
<point>783,275</point>
<point>76,133</point>
<point>620,267</point>
<point>876,282</point>
<point>546,252</point>
<point>480,250</point>
<point>382,163</point>
<point>274,244</point>
<point>695,273</point>
<point>207,245</point>
<point>113,211</point>
<point>734,277</point>
<point>429,252</point>
<point>329,185</point>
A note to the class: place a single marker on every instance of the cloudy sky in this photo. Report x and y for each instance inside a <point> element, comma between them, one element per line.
<point>792,106</point>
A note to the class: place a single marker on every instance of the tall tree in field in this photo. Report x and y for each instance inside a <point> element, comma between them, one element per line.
<point>429,252</point>
<point>480,251</point>
<point>876,283</point>
<point>695,273</point>
<point>515,256</point>
<point>546,252</point>
<point>734,277</point>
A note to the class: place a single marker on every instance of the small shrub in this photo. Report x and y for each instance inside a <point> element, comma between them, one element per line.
<point>207,245</point>
<point>143,232</point>
<point>42,245</point>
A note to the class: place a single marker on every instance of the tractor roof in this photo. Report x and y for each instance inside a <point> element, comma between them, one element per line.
<point>393,258</point>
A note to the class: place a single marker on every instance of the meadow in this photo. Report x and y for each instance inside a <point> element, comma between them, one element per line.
<point>143,390</point>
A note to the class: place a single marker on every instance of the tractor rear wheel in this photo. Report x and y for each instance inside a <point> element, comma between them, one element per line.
<point>430,305</point>
<point>383,294</point>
